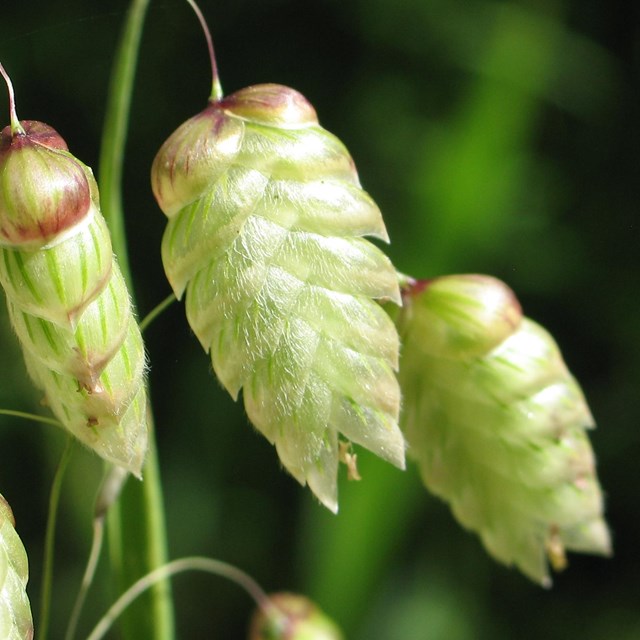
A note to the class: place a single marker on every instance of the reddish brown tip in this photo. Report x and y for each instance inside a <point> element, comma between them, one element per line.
<point>272,104</point>
<point>44,191</point>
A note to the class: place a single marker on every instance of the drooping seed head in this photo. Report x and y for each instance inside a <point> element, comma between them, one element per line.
<point>497,424</point>
<point>67,298</point>
<point>265,239</point>
<point>44,190</point>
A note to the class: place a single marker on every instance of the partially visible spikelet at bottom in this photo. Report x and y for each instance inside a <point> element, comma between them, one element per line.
<point>15,613</point>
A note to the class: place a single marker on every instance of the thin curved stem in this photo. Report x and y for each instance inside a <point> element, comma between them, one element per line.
<point>16,127</point>
<point>30,416</point>
<point>114,134</point>
<point>109,492</point>
<point>87,578</point>
<point>216,87</point>
<point>195,563</point>
<point>156,311</point>
<point>49,544</point>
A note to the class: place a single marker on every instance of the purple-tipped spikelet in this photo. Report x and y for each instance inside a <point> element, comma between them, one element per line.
<point>67,299</point>
<point>15,612</point>
<point>266,218</point>
<point>497,423</point>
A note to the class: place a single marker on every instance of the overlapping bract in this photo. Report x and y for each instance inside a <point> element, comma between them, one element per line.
<point>67,299</point>
<point>497,424</point>
<point>266,218</point>
<point>15,612</point>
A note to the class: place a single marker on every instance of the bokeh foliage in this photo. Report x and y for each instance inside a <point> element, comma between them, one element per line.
<point>497,137</point>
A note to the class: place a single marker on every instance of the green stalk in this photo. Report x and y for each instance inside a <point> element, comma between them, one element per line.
<point>137,544</point>
<point>30,416</point>
<point>114,133</point>
<point>136,523</point>
<point>47,573</point>
<point>156,311</point>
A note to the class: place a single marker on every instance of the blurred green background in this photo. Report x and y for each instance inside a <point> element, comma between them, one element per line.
<point>497,137</point>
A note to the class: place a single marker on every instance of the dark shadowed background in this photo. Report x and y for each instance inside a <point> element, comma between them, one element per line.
<point>497,137</point>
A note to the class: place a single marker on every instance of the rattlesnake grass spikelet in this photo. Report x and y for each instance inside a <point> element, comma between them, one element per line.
<point>265,238</point>
<point>291,616</point>
<point>15,612</point>
<point>497,423</point>
<point>67,299</point>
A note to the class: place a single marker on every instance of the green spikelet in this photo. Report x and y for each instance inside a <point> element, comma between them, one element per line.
<point>291,616</point>
<point>497,424</point>
<point>266,218</point>
<point>67,299</point>
<point>15,612</point>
